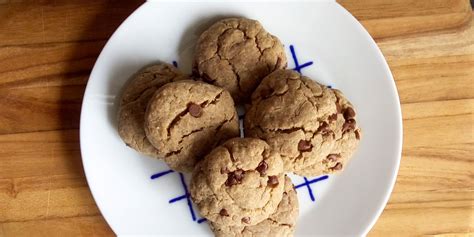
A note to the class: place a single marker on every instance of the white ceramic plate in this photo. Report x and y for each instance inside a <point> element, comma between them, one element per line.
<point>343,55</point>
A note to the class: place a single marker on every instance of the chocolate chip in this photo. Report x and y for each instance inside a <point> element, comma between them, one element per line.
<point>332,117</point>
<point>349,125</point>
<point>223,212</point>
<point>357,134</point>
<point>324,128</point>
<point>338,166</point>
<point>338,108</point>
<point>304,145</point>
<point>230,181</point>
<point>195,110</point>
<point>246,220</point>
<point>349,113</point>
<point>333,157</point>
<point>234,178</point>
<point>272,181</point>
<point>262,168</point>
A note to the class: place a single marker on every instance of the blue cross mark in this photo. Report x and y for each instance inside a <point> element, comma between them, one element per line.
<point>308,183</point>
<point>298,67</point>
<point>157,175</point>
<point>186,196</point>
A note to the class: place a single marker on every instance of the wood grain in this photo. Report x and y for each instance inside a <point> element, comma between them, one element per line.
<point>434,194</point>
<point>77,226</point>
<point>401,17</point>
<point>48,48</point>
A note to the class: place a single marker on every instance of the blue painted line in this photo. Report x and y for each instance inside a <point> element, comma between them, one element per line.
<point>310,191</point>
<point>293,54</point>
<point>306,64</point>
<point>190,204</point>
<point>175,64</point>
<point>313,181</point>
<point>303,66</point>
<point>178,198</point>
<point>182,197</point>
<point>157,175</point>
<point>298,67</point>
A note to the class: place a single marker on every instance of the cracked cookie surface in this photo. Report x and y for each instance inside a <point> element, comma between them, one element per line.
<point>236,54</point>
<point>313,127</point>
<point>184,120</point>
<point>134,101</point>
<point>239,183</point>
<point>279,224</point>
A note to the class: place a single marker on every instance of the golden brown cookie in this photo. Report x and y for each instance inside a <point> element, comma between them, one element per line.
<point>239,183</point>
<point>186,119</point>
<point>313,127</point>
<point>279,224</point>
<point>236,54</point>
<point>134,101</point>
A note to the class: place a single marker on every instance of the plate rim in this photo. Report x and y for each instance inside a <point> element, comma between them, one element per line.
<point>357,24</point>
<point>399,146</point>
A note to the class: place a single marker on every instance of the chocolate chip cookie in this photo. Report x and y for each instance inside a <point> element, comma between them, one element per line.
<point>239,183</point>
<point>184,120</point>
<point>134,101</point>
<point>313,127</point>
<point>279,224</point>
<point>236,54</point>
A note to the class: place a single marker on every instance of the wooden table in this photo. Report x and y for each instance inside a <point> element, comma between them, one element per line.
<point>48,48</point>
